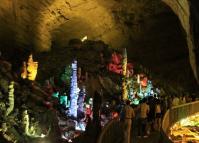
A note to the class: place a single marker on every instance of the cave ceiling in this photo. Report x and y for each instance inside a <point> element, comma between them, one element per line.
<point>155,33</point>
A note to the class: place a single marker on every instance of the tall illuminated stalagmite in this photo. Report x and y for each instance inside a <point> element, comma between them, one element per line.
<point>124,73</point>
<point>74,91</point>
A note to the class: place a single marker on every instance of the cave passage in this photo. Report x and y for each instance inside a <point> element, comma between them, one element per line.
<point>81,71</point>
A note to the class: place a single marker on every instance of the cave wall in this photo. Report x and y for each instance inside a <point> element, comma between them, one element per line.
<point>182,10</point>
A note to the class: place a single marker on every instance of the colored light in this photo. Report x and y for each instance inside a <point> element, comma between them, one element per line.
<point>84,38</point>
<point>81,98</point>
<point>74,91</point>
<point>56,94</point>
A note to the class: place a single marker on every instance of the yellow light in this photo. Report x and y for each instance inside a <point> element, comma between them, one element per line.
<point>42,135</point>
<point>29,69</point>
<point>183,128</point>
<point>84,38</point>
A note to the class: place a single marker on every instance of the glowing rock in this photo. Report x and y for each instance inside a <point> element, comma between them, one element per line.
<point>31,130</point>
<point>10,98</point>
<point>74,92</point>
<point>29,70</point>
<point>64,100</point>
<point>138,78</point>
<point>24,73</point>
<point>124,72</point>
<point>116,64</point>
<point>116,58</point>
<point>55,94</point>
<point>32,68</point>
<point>81,98</point>
<point>144,81</point>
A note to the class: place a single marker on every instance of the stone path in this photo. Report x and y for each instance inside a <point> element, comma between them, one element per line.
<point>154,137</point>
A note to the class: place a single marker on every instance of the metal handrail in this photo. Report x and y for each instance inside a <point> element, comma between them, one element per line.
<point>177,113</point>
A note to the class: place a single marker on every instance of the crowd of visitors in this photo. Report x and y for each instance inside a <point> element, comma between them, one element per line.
<point>147,116</point>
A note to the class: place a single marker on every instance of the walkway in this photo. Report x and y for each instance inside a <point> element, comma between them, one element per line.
<point>112,132</point>
<point>154,137</point>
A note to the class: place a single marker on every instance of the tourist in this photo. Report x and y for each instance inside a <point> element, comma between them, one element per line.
<point>188,98</point>
<point>128,114</point>
<point>158,115</point>
<point>151,115</point>
<point>176,101</point>
<point>183,100</point>
<point>169,101</point>
<point>193,96</point>
<point>164,106</point>
<point>144,110</point>
<point>135,124</point>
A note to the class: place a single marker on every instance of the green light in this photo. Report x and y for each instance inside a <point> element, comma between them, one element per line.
<point>56,95</point>
<point>64,101</point>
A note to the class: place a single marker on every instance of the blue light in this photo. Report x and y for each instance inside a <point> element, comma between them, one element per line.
<point>80,126</point>
<point>81,98</point>
<point>74,91</point>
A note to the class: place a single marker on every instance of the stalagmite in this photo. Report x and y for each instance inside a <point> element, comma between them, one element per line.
<point>10,98</point>
<point>29,70</point>
<point>74,92</point>
<point>24,71</point>
<point>124,73</point>
<point>32,68</point>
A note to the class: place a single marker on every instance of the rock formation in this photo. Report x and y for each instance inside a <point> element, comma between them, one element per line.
<point>182,8</point>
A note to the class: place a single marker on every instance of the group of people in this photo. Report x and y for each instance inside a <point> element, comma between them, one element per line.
<point>139,121</point>
<point>175,100</point>
<point>143,119</point>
